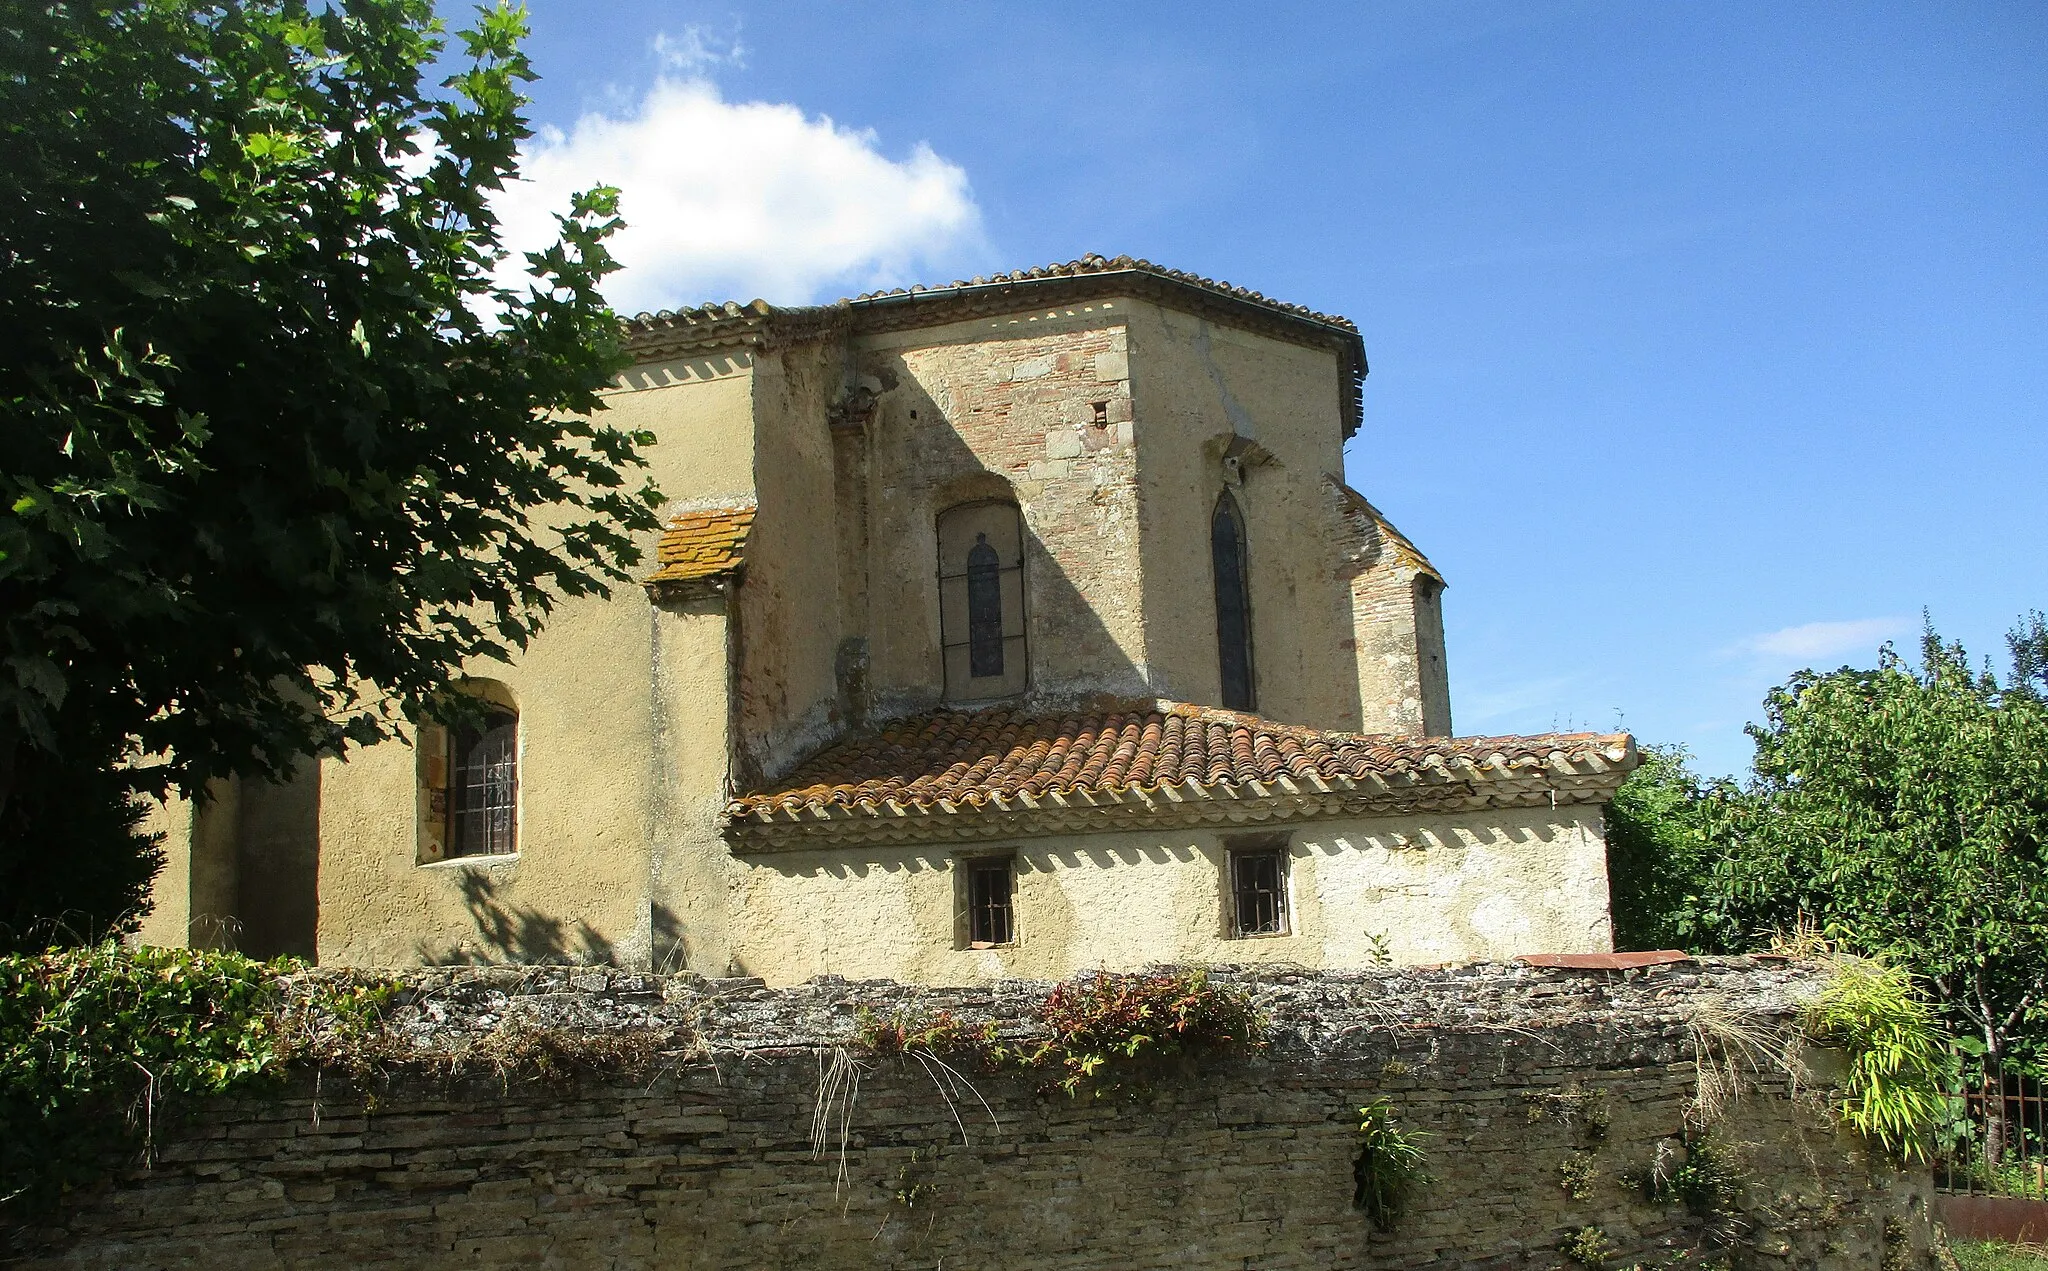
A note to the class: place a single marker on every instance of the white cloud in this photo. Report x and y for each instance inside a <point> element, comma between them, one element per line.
<point>732,200</point>
<point>697,50</point>
<point>1819,640</point>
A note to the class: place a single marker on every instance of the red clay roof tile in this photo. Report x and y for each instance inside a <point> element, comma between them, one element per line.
<point>703,543</point>
<point>938,761</point>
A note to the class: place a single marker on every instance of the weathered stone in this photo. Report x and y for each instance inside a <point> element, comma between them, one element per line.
<point>1233,1160</point>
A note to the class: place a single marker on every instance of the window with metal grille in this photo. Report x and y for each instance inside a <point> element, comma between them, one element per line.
<point>981,600</point>
<point>1233,604</point>
<point>1258,884</point>
<point>990,886</point>
<point>484,788</point>
<point>984,610</point>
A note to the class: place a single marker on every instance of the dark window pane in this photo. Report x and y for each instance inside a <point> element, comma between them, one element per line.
<point>988,902</point>
<point>1233,606</point>
<point>485,797</point>
<point>1260,882</point>
<point>984,610</point>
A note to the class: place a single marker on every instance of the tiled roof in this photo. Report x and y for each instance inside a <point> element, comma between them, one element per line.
<point>998,765</point>
<point>1093,264</point>
<point>703,543</point>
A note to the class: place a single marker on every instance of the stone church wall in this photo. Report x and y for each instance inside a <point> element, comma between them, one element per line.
<point>1542,1097</point>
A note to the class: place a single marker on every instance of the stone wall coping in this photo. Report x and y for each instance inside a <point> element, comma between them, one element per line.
<point>438,1008</point>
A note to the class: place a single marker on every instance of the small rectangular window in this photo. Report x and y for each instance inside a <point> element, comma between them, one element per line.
<point>1258,885</point>
<point>991,884</point>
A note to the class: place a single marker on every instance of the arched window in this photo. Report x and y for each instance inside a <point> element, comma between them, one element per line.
<point>981,600</point>
<point>1233,604</point>
<point>484,798</point>
<point>984,610</point>
<point>469,777</point>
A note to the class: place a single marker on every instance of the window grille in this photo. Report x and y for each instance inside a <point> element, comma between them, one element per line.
<point>981,601</point>
<point>1258,882</point>
<point>990,887</point>
<point>1233,604</point>
<point>984,610</point>
<point>483,809</point>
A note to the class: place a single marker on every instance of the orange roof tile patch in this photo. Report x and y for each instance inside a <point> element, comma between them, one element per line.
<point>965,760</point>
<point>703,543</point>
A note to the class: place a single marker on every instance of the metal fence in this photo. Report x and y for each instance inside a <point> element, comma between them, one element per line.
<point>1998,1145</point>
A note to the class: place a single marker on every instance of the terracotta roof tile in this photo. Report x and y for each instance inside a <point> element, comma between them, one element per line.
<point>1095,264</point>
<point>732,311</point>
<point>703,543</point>
<point>948,761</point>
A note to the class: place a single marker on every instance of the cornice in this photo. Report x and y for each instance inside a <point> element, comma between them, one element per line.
<point>760,325</point>
<point>1185,805</point>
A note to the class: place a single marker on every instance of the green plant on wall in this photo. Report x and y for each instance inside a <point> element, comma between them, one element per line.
<point>1707,1181</point>
<point>1892,1092</point>
<point>96,1044</point>
<point>1105,1027</point>
<point>1390,1166</point>
<point>1577,1175</point>
<point>1103,1033</point>
<point>1588,1246</point>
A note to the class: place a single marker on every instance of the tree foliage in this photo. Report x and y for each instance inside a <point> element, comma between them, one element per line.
<point>1659,856</point>
<point>1903,810</point>
<point>278,450</point>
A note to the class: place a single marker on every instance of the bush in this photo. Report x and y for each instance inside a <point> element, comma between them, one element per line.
<point>1894,1089</point>
<point>75,866</point>
<point>95,1043</point>
<point>1389,1168</point>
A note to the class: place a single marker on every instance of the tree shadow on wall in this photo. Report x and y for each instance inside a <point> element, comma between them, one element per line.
<point>511,933</point>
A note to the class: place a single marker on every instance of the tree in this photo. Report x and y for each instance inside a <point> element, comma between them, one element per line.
<point>2028,641</point>
<point>1907,812</point>
<point>277,450</point>
<point>1660,857</point>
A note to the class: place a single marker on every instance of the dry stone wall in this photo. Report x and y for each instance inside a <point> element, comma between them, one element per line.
<point>1542,1096</point>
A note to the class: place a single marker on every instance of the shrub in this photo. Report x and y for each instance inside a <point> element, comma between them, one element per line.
<point>95,1042</point>
<point>1130,1022</point>
<point>1389,1168</point>
<point>1893,1091</point>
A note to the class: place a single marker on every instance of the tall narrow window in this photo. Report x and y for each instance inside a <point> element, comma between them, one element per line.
<point>484,802</point>
<point>1233,604</point>
<point>984,610</point>
<point>981,600</point>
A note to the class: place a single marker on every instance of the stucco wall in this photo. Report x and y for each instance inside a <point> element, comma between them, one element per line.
<point>622,761</point>
<point>1482,885</point>
<point>789,603</point>
<point>1196,383</point>
<point>195,895</point>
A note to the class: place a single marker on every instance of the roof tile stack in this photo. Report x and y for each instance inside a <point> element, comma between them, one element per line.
<point>703,543</point>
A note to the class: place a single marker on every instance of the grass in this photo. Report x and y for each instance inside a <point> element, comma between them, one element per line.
<point>1996,1255</point>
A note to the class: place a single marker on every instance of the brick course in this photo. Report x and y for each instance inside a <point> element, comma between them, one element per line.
<point>1237,1161</point>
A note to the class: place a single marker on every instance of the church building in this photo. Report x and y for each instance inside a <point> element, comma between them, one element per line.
<point>1016,627</point>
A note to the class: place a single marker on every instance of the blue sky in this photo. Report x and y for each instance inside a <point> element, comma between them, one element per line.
<point>1707,341</point>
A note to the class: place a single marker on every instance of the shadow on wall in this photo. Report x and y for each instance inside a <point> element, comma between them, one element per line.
<point>277,866</point>
<point>507,932</point>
